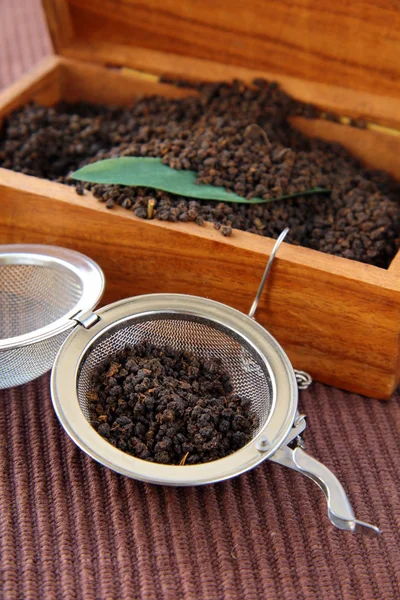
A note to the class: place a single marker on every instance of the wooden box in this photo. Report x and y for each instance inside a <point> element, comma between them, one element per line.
<point>336,318</point>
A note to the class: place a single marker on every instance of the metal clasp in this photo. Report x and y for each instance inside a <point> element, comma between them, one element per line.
<point>304,380</point>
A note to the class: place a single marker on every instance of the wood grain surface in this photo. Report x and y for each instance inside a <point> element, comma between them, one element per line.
<point>93,83</point>
<point>375,149</point>
<point>42,84</point>
<point>348,44</point>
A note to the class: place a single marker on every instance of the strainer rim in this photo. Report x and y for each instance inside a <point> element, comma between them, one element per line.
<point>88,271</point>
<point>68,410</point>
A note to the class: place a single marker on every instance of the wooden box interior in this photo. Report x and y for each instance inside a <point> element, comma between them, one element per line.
<point>336,318</point>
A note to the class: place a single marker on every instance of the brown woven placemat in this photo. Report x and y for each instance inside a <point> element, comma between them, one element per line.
<point>71,529</point>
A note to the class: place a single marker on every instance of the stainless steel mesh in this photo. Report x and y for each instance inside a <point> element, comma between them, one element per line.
<point>33,297</point>
<point>249,374</point>
<point>20,365</point>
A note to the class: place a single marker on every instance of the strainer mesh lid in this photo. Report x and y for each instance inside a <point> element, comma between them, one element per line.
<point>42,289</point>
<point>33,296</point>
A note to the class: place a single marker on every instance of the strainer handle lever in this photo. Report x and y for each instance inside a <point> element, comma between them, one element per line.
<point>267,271</point>
<point>340,512</point>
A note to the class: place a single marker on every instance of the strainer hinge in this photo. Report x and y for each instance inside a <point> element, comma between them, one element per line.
<point>87,319</point>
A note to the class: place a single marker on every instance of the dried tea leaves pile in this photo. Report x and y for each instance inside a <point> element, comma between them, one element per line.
<point>206,132</point>
<point>168,407</point>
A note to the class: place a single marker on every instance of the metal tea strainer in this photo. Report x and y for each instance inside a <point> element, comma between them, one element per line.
<point>42,289</point>
<point>259,369</point>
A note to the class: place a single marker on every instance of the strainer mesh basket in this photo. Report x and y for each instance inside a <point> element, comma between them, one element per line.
<point>249,375</point>
<point>32,297</point>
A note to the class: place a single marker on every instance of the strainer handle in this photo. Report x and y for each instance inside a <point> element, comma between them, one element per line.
<point>267,271</point>
<point>339,509</point>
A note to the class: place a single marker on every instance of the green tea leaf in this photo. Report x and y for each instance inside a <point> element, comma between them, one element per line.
<point>152,173</point>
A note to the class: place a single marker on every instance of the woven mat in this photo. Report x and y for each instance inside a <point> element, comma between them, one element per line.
<point>71,529</point>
